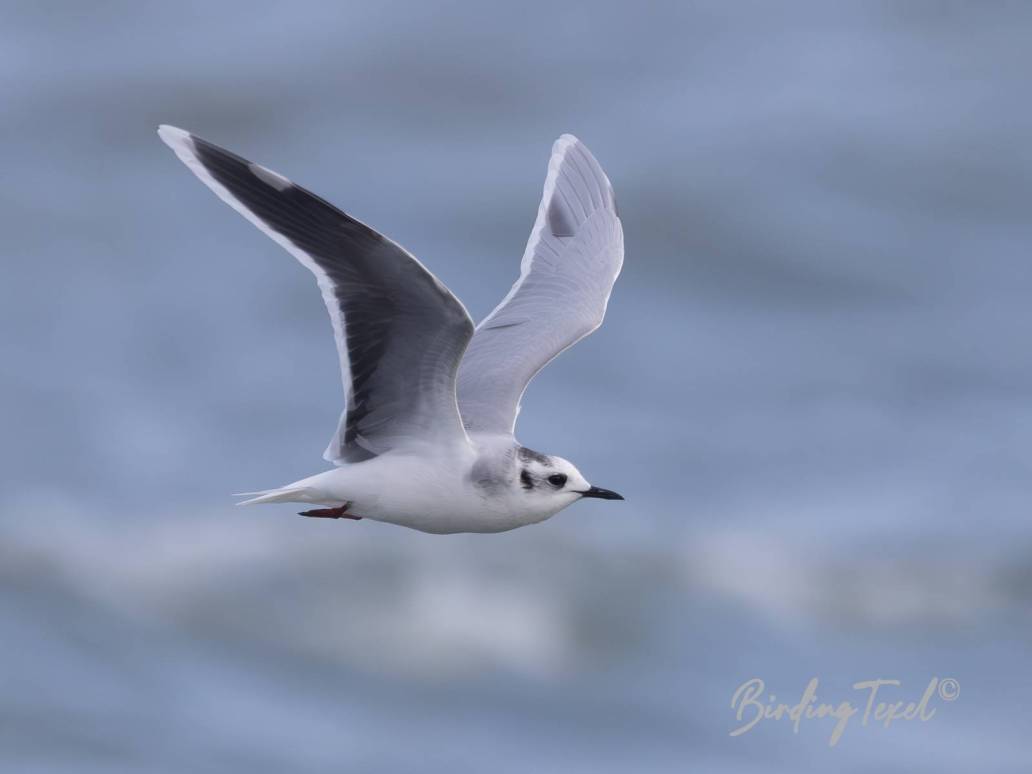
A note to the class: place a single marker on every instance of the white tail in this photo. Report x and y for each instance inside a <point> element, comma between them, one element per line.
<point>286,494</point>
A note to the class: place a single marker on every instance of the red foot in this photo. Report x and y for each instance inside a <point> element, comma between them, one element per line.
<point>331,513</point>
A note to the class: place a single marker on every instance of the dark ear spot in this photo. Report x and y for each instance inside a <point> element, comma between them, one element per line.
<point>526,480</point>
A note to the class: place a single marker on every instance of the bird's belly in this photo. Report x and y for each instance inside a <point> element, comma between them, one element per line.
<point>413,494</point>
<point>441,511</point>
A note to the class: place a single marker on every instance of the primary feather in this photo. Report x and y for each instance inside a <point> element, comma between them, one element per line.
<point>572,259</point>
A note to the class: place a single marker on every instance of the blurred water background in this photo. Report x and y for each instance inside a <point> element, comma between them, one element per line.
<point>813,386</point>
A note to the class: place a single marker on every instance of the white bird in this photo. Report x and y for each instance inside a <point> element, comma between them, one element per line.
<point>426,438</point>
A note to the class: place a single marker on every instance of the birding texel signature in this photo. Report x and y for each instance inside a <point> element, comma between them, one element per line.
<point>885,707</point>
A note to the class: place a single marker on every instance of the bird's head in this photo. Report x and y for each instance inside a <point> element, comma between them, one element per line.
<point>552,479</point>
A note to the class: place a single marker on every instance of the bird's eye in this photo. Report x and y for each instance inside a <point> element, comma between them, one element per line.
<point>557,480</point>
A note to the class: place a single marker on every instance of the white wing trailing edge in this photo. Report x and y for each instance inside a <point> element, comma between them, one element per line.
<point>572,259</point>
<point>400,332</point>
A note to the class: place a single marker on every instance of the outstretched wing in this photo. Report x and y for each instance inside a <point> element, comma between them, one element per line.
<point>572,260</point>
<point>400,332</point>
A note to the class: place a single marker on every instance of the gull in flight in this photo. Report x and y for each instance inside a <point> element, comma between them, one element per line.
<point>426,437</point>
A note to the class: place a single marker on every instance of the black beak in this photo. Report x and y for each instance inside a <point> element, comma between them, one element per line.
<point>600,493</point>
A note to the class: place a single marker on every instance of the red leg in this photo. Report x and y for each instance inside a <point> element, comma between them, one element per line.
<point>331,513</point>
